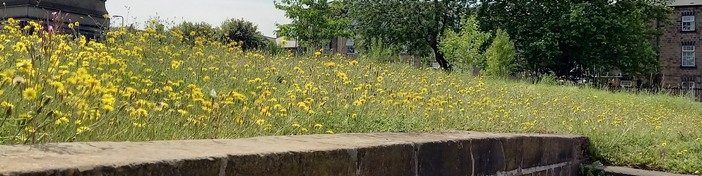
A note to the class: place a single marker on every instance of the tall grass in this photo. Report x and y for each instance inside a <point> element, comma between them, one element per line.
<point>139,86</point>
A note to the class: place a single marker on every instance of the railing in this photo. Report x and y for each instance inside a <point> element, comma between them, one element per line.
<point>695,93</point>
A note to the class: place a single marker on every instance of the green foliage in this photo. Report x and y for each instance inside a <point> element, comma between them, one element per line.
<point>274,48</point>
<point>243,32</point>
<point>462,49</point>
<point>561,36</point>
<point>190,31</point>
<point>414,24</point>
<point>549,78</point>
<point>500,55</point>
<point>380,52</point>
<point>314,22</point>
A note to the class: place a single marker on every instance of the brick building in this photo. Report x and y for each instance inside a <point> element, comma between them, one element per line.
<point>679,46</point>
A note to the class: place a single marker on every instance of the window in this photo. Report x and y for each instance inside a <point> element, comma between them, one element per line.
<point>688,23</point>
<point>688,55</point>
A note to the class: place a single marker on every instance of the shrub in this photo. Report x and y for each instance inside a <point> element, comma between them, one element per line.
<point>190,31</point>
<point>500,55</point>
<point>244,33</point>
<point>462,50</point>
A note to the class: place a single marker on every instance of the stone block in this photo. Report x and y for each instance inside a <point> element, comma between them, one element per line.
<point>445,158</point>
<point>488,156</point>
<point>532,152</point>
<point>388,160</point>
<point>270,164</point>
<point>512,149</point>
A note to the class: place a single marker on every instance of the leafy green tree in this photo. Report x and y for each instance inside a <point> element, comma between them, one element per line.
<point>416,25</point>
<point>500,55</point>
<point>462,49</point>
<point>572,37</point>
<point>243,32</point>
<point>314,22</point>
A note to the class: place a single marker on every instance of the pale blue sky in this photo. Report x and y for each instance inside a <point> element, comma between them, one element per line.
<point>261,12</point>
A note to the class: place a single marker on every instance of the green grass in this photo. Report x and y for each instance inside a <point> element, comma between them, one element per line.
<point>149,86</point>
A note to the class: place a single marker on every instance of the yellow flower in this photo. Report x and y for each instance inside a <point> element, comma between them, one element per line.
<point>29,93</point>
<point>82,129</point>
<point>61,120</point>
<point>318,125</point>
<point>141,112</point>
<point>296,125</point>
<point>260,121</point>
<point>330,132</point>
<point>7,105</point>
<point>24,65</point>
<point>317,53</point>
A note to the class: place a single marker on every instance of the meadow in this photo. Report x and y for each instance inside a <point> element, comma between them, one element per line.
<point>155,85</point>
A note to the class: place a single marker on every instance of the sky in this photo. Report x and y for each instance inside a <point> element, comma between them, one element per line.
<point>260,12</point>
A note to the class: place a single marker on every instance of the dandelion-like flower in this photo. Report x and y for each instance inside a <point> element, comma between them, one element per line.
<point>29,93</point>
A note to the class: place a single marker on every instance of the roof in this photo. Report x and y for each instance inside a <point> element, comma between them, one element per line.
<point>676,3</point>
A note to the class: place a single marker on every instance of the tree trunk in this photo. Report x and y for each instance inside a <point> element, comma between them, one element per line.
<point>439,56</point>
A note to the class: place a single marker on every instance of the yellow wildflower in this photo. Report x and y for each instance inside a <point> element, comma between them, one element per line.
<point>82,129</point>
<point>29,93</point>
<point>61,120</point>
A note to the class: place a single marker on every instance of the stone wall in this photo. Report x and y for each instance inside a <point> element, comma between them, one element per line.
<point>452,153</point>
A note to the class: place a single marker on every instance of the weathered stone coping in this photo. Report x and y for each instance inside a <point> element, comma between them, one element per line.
<point>450,153</point>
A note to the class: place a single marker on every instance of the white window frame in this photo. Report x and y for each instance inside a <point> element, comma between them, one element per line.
<point>690,59</point>
<point>688,19</point>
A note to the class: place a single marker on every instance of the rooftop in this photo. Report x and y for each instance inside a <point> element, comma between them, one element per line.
<point>685,2</point>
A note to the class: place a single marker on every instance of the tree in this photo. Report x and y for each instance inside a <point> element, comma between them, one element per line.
<point>314,22</point>
<point>243,32</point>
<point>463,49</point>
<point>500,55</point>
<point>573,37</point>
<point>414,24</point>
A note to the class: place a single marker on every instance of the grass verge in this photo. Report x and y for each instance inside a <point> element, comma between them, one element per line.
<point>138,86</point>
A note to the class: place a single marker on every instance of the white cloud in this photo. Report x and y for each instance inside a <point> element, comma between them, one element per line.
<point>261,12</point>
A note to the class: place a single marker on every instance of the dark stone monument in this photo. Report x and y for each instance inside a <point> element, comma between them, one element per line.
<point>89,13</point>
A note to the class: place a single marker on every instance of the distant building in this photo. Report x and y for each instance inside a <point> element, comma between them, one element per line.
<point>90,14</point>
<point>339,45</point>
<point>678,46</point>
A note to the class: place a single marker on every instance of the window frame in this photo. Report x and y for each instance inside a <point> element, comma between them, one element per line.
<point>693,57</point>
<point>691,19</point>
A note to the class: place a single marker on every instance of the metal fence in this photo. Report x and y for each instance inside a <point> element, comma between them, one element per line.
<point>695,93</point>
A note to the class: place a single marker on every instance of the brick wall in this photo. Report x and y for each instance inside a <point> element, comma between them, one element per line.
<point>670,47</point>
